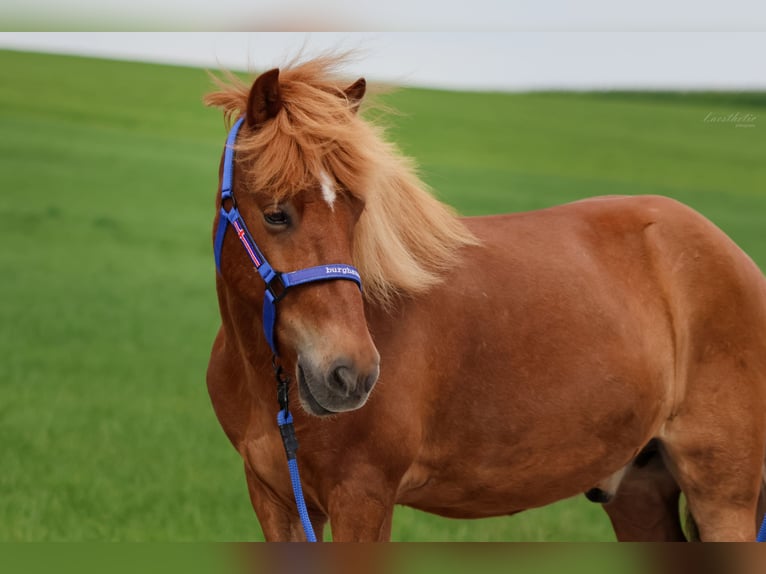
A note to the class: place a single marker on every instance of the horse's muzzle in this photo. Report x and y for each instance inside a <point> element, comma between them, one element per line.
<point>343,386</point>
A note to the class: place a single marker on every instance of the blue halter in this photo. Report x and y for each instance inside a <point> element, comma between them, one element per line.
<point>277,283</point>
<point>277,286</point>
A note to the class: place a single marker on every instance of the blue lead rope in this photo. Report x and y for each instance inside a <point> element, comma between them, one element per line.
<point>762,532</point>
<point>286,429</point>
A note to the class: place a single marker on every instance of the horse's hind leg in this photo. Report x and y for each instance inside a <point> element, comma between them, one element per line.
<point>645,506</point>
<point>715,449</point>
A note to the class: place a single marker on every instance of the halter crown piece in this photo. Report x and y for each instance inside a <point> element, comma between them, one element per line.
<point>277,283</point>
<point>277,286</point>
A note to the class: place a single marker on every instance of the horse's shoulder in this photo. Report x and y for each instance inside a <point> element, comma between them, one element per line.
<point>228,390</point>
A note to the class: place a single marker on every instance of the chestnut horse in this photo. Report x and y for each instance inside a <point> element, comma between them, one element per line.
<point>615,345</point>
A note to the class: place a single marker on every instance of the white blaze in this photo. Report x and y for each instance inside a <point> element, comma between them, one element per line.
<point>328,189</point>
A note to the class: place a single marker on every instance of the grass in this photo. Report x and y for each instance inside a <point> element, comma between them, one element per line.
<point>108,172</point>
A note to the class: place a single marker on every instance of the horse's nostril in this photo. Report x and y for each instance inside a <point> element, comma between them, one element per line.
<point>347,380</point>
<point>343,380</point>
<point>369,382</point>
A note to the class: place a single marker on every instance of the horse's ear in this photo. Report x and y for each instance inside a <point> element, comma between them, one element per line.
<point>355,93</point>
<point>265,100</point>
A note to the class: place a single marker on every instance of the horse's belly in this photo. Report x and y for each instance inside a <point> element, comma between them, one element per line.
<point>502,468</point>
<point>465,491</point>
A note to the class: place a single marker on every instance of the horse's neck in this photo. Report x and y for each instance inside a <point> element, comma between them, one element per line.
<point>245,343</point>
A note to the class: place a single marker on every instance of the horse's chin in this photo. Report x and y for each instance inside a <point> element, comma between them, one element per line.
<point>316,406</point>
<point>309,403</point>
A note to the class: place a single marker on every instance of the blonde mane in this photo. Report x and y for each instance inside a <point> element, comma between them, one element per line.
<point>405,239</point>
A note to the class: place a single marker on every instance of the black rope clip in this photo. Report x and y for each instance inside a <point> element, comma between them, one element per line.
<point>283,382</point>
<point>286,429</point>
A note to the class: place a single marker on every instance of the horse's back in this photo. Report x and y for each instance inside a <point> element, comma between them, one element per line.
<point>649,251</point>
<point>685,256</point>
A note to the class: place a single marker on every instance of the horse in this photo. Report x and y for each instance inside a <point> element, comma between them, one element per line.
<point>488,365</point>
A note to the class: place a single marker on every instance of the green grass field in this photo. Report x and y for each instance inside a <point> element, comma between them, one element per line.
<point>108,174</point>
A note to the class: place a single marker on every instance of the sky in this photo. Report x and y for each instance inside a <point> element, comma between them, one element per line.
<point>478,45</point>
<point>386,15</point>
<point>505,61</point>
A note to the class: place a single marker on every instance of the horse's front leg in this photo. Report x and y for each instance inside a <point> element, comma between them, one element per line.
<point>361,507</point>
<point>279,519</point>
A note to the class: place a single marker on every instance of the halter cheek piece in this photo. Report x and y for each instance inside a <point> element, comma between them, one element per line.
<point>277,286</point>
<point>277,283</point>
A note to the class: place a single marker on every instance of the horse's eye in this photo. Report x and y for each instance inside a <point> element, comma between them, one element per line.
<point>277,217</point>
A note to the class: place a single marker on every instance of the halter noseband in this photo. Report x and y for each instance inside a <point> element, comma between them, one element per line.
<point>277,283</point>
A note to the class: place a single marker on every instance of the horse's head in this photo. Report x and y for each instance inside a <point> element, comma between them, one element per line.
<point>298,223</point>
